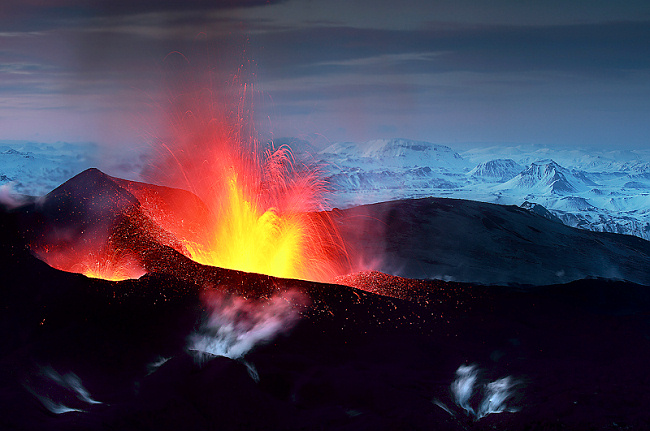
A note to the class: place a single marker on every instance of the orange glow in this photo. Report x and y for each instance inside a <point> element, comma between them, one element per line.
<point>253,224</point>
<point>105,263</point>
<point>228,203</point>
<point>110,268</point>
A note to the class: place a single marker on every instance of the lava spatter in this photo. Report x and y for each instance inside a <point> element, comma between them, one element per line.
<point>258,201</point>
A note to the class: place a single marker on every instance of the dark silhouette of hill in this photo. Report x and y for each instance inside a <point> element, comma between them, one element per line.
<point>478,242</point>
<point>352,360</point>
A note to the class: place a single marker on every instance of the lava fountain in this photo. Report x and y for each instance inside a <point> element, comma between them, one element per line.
<point>232,203</point>
<point>260,204</point>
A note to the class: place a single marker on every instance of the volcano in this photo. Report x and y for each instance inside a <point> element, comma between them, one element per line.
<point>445,314</point>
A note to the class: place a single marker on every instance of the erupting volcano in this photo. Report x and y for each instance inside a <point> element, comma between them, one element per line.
<point>340,215</point>
<point>246,208</point>
<point>201,346</point>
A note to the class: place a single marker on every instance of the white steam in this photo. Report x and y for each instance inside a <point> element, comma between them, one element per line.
<point>493,395</point>
<point>67,389</point>
<point>252,371</point>
<point>496,395</point>
<point>54,407</point>
<point>235,325</point>
<point>463,387</point>
<point>9,198</point>
<point>159,362</point>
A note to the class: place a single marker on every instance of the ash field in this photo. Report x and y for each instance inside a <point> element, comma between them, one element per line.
<point>444,314</point>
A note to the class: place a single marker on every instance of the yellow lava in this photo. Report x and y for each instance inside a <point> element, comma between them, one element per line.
<point>109,266</point>
<point>106,275</point>
<point>248,238</point>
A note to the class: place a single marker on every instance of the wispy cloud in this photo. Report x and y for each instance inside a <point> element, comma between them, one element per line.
<point>477,62</point>
<point>29,15</point>
<point>384,59</point>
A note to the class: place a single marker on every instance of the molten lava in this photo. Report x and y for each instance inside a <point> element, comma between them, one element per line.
<point>108,269</point>
<point>230,205</point>
<point>105,262</point>
<point>250,238</point>
<point>257,217</point>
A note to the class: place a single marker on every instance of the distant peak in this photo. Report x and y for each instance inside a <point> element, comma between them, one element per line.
<point>411,144</point>
<point>11,151</point>
<point>546,162</point>
<point>547,166</point>
<point>502,169</point>
<point>87,183</point>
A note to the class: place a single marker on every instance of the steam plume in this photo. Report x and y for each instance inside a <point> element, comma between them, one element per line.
<point>495,394</point>
<point>67,389</point>
<point>235,325</point>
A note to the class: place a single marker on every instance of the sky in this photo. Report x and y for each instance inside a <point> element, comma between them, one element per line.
<point>552,72</point>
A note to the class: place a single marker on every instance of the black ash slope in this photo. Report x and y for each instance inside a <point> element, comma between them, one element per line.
<point>354,360</point>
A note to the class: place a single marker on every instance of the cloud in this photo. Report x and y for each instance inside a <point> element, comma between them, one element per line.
<point>471,66</point>
<point>414,14</point>
<point>129,7</point>
<point>28,15</point>
<point>595,49</point>
<point>308,62</point>
<point>122,7</point>
<point>383,59</point>
<point>21,68</point>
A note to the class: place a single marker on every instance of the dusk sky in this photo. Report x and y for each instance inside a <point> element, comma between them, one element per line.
<point>556,73</point>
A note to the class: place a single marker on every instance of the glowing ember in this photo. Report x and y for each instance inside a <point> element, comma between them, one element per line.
<point>76,226</point>
<point>108,269</point>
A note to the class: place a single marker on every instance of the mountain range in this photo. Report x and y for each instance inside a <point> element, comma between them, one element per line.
<point>605,191</point>
<point>424,238</point>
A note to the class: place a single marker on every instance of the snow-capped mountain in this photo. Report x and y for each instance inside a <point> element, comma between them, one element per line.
<point>387,169</point>
<point>394,153</point>
<point>547,177</point>
<point>35,169</point>
<point>596,190</point>
<point>496,170</point>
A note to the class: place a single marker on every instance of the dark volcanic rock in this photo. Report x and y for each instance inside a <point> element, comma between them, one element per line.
<point>354,360</point>
<point>88,204</point>
<point>380,357</point>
